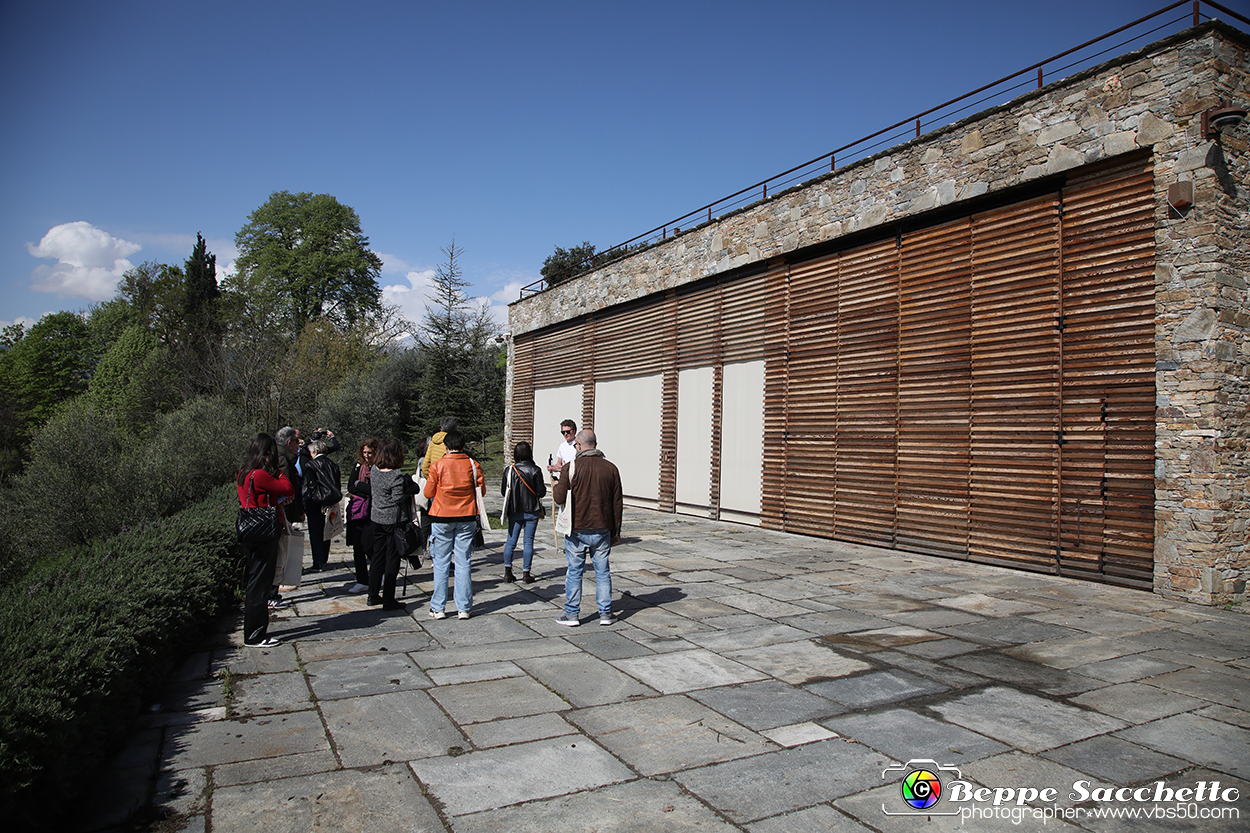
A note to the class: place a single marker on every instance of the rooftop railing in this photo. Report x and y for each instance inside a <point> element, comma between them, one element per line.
<point>1145,30</point>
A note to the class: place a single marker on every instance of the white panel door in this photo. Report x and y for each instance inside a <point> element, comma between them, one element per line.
<point>741,441</point>
<point>551,406</point>
<point>627,424</point>
<point>694,440</point>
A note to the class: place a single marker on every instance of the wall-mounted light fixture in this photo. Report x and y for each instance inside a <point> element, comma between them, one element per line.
<point>1215,120</point>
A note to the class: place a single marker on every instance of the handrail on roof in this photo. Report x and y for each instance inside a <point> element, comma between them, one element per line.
<point>809,170</point>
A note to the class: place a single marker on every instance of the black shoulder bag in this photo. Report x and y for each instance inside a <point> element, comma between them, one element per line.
<point>257,524</point>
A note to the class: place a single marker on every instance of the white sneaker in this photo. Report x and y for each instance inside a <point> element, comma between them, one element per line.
<point>464,614</point>
<point>264,643</point>
<point>358,588</point>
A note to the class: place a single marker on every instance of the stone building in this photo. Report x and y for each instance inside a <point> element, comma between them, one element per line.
<point>1020,339</point>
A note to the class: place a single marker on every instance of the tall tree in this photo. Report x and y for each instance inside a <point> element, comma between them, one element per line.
<point>201,294</point>
<point>305,257</point>
<point>49,365</point>
<point>462,379</point>
<point>200,346</point>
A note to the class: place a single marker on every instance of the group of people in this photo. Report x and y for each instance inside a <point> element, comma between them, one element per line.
<point>389,513</point>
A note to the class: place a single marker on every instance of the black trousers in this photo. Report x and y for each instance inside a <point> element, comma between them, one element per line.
<point>262,559</point>
<point>361,535</point>
<point>383,562</point>
<point>319,549</point>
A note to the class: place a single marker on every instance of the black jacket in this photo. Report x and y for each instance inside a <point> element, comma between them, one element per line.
<point>324,469</point>
<point>522,499</point>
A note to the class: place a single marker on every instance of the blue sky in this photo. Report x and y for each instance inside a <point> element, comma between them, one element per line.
<point>130,126</point>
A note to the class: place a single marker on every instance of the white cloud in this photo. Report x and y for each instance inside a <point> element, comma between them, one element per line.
<point>89,261</point>
<point>394,265</point>
<point>24,320</point>
<point>411,297</point>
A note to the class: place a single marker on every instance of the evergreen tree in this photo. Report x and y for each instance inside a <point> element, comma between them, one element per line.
<point>462,378</point>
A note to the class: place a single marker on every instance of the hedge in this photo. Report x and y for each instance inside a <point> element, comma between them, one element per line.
<point>89,634</point>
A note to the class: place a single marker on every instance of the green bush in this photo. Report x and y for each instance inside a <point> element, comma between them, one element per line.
<point>86,635</point>
<point>91,475</point>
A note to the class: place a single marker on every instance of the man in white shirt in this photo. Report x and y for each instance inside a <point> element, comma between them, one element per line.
<point>567,450</point>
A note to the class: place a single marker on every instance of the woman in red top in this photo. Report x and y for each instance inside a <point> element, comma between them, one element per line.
<point>261,483</point>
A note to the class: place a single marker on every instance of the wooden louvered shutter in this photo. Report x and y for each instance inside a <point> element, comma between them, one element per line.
<point>811,398</point>
<point>1015,385</point>
<point>1108,407</point>
<point>867,390</point>
<point>776,402</point>
<point>522,425</point>
<point>935,379</point>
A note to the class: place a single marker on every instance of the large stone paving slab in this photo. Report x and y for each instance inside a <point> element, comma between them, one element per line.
<point>687,670</point>
<point>728,641</point>
<point>876,688</point>
<point>493,699</point>
<point>480,630</point>
<point>269,693</point>
<point>1214,683</point>
<point>819,819</point>
<point>387,798</point>
<point>903,735</point>
<point>766,704</point>
<point>1208,742</point>
<point>1025,721</point>
<point>640,806</point>
<point>584,680</point>
<point>483,781</point>
<point>226,741</point>
<point>316,650</point>
<point>984,605</point>
<point>1116,761</point>
<point>364,675</point>
<point>780,782</point>
<point>389,727</point>
<point>663,734</point>
<point>800,662</point>
<point>1137,702</point>
<point>1126,669</point>
<point>1028,675</point>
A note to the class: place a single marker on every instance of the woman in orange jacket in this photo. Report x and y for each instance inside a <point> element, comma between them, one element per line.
<point>453,487</point>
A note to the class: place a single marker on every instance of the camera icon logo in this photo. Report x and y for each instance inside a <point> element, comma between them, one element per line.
<point>921,787</point>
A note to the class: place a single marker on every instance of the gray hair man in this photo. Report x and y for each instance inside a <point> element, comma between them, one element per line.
<point>598,503</point>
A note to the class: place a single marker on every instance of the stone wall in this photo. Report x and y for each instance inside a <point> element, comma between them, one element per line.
<point>1149,98</point>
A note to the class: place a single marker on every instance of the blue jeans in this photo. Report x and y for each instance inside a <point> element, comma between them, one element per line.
<point>444,539</point>
<point>527,521</point>
<point>578,546</point>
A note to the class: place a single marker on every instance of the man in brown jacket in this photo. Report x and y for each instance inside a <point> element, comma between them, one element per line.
<point>598,502</point>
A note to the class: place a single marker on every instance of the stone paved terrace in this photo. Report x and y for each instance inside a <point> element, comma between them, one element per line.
<point>755,681</point>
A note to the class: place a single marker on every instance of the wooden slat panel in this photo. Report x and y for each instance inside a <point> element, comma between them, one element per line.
<point>812,403</point>
<point>776,402</point>
<point>551,351</point>
<point>935,380</point>
<point>628,342</point>
<point>667,452</point>
<point>522,423</point>
<point>867,394</point>
<point>743,330</point>
<point>1107,459</point>
<point>698,327</point>
<point>1013,511</point>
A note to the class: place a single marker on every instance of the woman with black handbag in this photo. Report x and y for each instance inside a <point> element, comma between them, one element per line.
<point>261,486</point>
<point>359,527</point>
<point>523,487</point>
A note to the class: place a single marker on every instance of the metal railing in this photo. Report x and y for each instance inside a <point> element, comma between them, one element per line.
<point>997,92</point>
